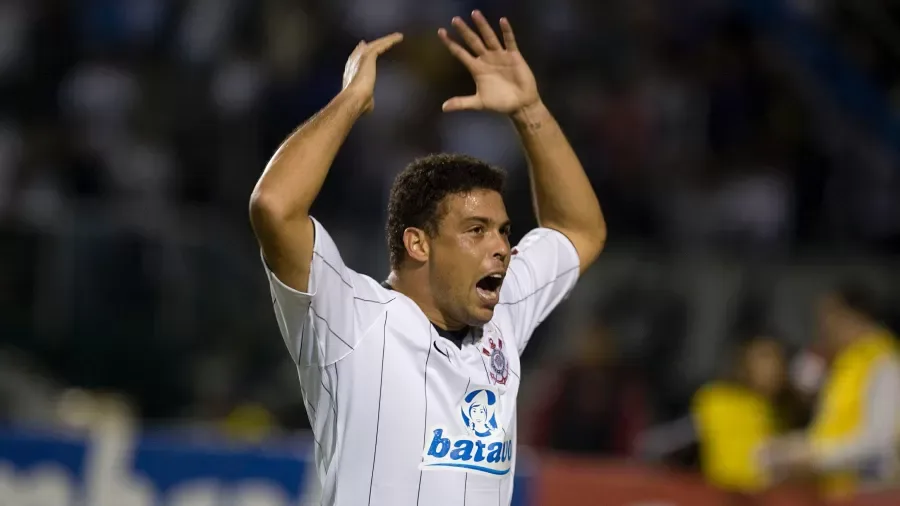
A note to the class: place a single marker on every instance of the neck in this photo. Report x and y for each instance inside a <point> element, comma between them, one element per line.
<point>415,285</point>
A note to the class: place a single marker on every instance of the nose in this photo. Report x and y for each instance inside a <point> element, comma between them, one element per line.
<point>501,247</point>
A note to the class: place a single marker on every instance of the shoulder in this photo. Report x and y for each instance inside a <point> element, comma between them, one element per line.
<point>501,326</point>
<point>369,290</point>
<point>545,237</point>
<point>717,393</point>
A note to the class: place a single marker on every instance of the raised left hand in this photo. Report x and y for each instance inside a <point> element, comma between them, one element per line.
<point>503,81</point>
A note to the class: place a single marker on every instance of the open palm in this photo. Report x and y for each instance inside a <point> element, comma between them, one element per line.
<point>503,81</point>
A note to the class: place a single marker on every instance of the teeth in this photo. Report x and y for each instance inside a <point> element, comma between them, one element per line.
<point>497,276</point>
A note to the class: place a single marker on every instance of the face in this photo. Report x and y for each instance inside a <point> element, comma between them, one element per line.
<point>765,365</point>
<point>479,414</point>
<point>468,257</point>
<point>832,318</point>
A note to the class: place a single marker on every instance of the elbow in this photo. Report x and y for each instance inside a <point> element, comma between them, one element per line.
<point>600,236</point>
<point>266,208</point>
<point>593,237</point>
<point>261,206</point>
<point>590,243</point>
<point>594,245</point>
<point>590,232</point>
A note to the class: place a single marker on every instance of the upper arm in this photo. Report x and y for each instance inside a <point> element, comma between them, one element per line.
<point>321,324</point>
<point>287,244</point>
<point>587,246</point>
<point>540,276</point>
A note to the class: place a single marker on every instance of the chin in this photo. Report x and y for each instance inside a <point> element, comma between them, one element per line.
<point>480,316</point>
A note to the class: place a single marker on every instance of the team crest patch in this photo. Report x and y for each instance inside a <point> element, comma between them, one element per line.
<point>483,448</point>
<point>499,365</point>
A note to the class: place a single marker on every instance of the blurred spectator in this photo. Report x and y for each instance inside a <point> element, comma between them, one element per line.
<point>131,134</point>
<point>735,416</point>
<point>28,397</point>
<point>853,442</point>
<point>249,422</point>
<point>593,407</point>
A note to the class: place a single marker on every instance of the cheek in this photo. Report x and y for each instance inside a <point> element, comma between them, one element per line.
<point>458,261</point>
<point>468,246</point>
<point>447,279</point>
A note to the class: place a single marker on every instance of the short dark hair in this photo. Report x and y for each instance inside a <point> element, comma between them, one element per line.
<point>420,188</point>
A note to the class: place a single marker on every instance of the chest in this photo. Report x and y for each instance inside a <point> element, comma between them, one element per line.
<point>468,393</point>
<point>447,371</point>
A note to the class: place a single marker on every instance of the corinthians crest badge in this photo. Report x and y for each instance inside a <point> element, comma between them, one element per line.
<point>499,367</point>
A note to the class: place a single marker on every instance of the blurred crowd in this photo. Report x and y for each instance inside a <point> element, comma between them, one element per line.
<point>731,176</point>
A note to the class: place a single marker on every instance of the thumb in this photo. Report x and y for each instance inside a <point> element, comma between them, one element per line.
<point>470,103</point>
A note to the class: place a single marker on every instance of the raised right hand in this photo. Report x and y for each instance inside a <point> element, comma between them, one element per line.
<point>359,72</point>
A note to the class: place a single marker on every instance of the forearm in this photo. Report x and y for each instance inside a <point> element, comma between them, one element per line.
<point>849,454</point>
<point>295,174</point>
<point>563,197</point>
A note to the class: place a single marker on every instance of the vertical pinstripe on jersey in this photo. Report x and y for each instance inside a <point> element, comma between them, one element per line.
<point>318,331</point>
<point>336,388</point>
<point>466,483</point>
<point>378,417</point>
<point>465,488</point>
<point>425,419</point>
<point>487,377</point>
<point>337,471</point>
<point>331,395</point>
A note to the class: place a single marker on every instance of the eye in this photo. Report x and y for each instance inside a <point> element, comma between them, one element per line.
<point>477,230</point>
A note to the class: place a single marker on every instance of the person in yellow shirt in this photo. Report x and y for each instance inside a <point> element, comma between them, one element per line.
<point>852,443</point>
<point>734,418</point>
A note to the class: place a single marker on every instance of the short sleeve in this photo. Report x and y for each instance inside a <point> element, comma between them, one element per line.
<point>321,326</point>
<point>541,274</point>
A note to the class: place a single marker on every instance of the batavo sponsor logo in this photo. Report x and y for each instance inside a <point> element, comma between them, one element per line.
<point>483,448</point>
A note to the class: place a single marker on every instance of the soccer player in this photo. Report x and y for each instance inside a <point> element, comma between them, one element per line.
<point>410,385</point>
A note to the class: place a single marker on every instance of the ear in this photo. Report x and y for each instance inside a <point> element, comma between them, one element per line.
<point>416,242</point>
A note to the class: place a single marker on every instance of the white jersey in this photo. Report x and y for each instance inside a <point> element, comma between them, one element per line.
<point>401,415</point>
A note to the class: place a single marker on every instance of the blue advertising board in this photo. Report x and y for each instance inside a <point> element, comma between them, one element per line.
<point>124,469</point>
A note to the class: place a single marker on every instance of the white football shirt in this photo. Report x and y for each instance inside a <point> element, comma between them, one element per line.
<point>402,416</point>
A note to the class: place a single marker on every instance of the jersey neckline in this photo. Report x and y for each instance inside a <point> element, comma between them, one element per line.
<point>455,336</point>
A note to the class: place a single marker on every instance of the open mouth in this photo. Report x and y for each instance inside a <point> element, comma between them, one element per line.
<point>488,288</point>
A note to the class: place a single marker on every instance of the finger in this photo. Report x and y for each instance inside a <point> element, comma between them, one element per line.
<point>472,39</point>
<point>509,39</point>
<point>470,103</point>
<point>456,50</point>
<point>379,46</point>
<point>487,33</point>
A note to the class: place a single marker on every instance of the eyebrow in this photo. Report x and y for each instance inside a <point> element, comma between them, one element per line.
<point>487,221</point>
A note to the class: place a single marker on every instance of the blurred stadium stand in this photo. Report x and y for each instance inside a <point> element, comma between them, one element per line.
<point>745,153</point>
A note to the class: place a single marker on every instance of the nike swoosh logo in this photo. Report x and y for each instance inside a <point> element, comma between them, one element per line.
<point>442,352</point>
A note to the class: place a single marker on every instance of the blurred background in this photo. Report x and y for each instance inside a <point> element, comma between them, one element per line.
<point>745,153</point>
